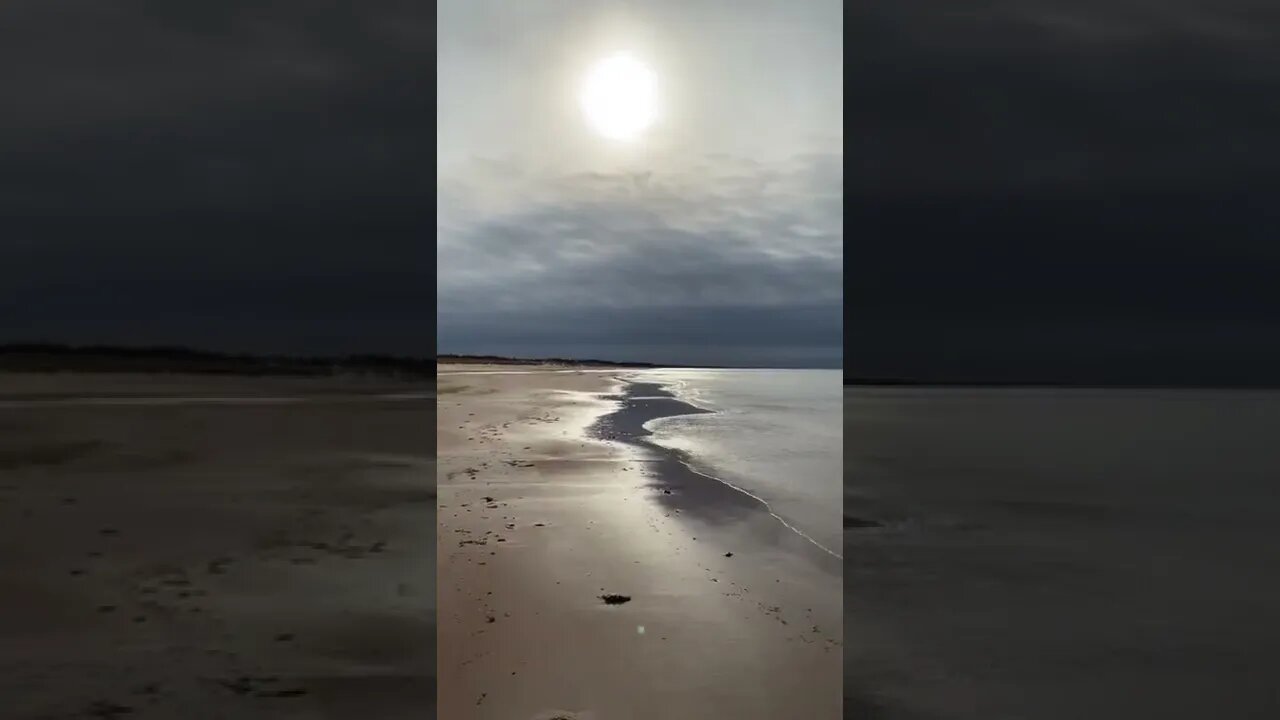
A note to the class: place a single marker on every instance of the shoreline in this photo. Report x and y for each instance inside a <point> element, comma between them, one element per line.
<point>683,484</point>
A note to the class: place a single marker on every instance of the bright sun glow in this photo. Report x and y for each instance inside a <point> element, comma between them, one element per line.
<point>619,97</point>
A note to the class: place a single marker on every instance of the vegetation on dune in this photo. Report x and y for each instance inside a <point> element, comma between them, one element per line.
<point>51,357</point>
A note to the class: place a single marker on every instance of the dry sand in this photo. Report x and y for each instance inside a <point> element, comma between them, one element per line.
<point>161,558</point>
<point>536,521</point>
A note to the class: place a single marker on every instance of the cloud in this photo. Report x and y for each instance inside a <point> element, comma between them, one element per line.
<point>1062,94</point>
<point>146,106</point>
<point>792,336</point>
<point>1080,190</point>
<point>727,233</point>
<point>728,209</point>
<point>235,175</point>
<point>721,259</point>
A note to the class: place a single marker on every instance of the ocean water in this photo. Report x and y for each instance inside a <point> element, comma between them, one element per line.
<point>774,433</point>
<point>1062,553</point>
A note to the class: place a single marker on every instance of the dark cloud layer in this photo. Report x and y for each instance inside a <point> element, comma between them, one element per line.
<point>784,336</point>
<point>238,175</point>
<point>736,256</point>
<point>1064,191</point>
<point>732,233</point>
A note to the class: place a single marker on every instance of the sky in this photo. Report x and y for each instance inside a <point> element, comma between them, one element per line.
<point>715,237</point>
<point>1065,190</point>
<point>240,176</point>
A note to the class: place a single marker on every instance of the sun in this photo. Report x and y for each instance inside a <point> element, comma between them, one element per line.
<point>619,97</point>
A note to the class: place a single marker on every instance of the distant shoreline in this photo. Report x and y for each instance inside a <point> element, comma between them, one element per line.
<point>165,359</point>
<point>53,358</point>
<point>592,362</point>
<point>501,360</point>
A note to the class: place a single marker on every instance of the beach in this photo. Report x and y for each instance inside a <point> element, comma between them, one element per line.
<point>216,547</point>
<point>1061,553</point>
<point>548,505</point>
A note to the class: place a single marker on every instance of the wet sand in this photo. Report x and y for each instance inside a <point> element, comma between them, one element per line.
<point>1058,553</point>
<point>206,550</point>
<point>727,616</point>
<point>682,489</point>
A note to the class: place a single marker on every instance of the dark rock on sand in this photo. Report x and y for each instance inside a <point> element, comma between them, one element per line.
<point>286,693</point>
<point>612,599</point>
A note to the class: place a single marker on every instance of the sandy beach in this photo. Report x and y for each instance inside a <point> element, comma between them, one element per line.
<point>726,617</point>
<point>204,547</point>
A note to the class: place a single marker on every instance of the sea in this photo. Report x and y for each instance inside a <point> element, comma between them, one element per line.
<point>775,434</point>
<point>1062,553</point>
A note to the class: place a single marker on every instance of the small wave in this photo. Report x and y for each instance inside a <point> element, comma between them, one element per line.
<point>765,503</point>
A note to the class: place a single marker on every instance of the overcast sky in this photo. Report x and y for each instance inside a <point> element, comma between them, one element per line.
<point>1064,189</point>
<point>230,175</point>
<point>1074,188</point>
<point>714,237</point>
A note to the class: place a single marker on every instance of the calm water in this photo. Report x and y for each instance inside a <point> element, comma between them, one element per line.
<point>774,433</point>
<point>1062,554</point>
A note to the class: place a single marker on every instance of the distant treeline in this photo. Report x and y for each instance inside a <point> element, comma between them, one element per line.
<point>99,358</point>
<point>499,360</point>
